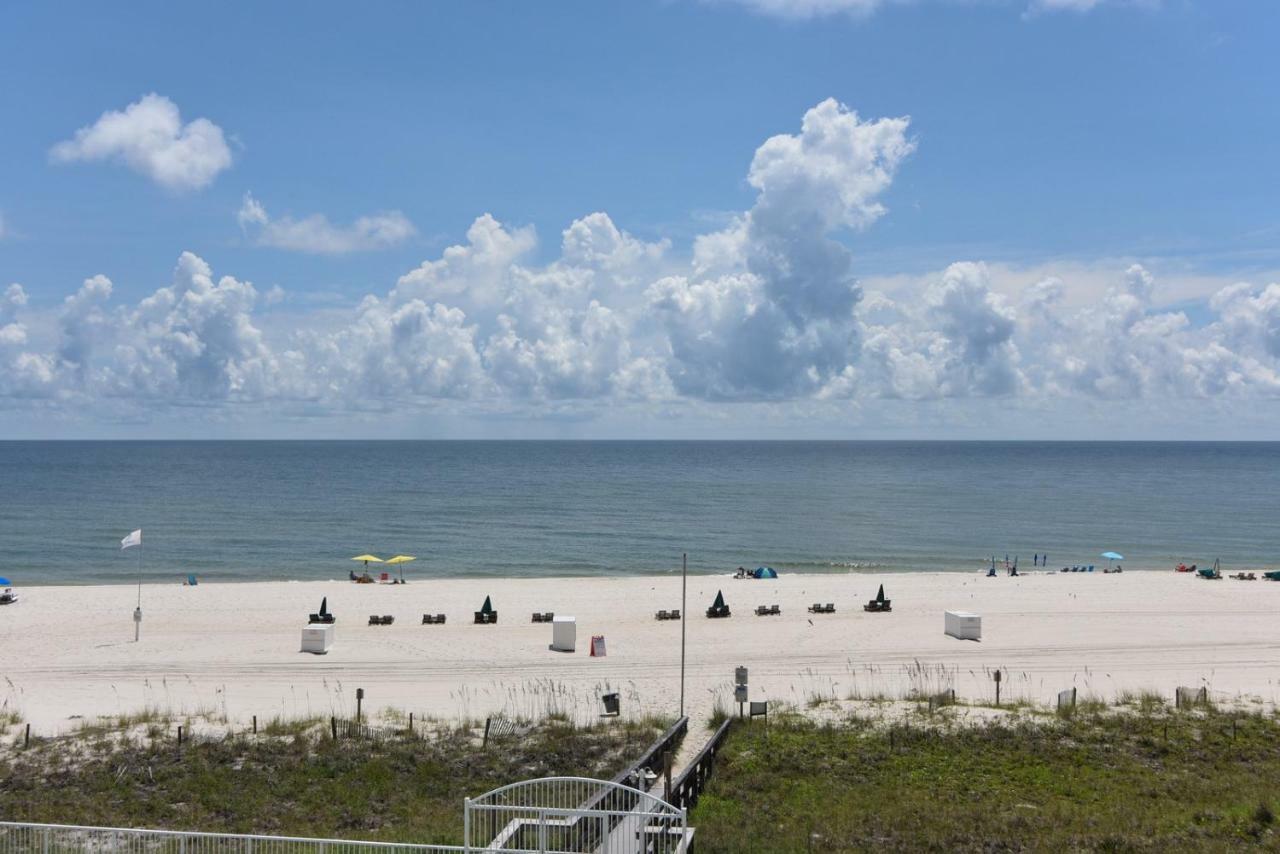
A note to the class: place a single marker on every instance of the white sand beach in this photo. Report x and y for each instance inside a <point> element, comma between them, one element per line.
<point>232,650</point>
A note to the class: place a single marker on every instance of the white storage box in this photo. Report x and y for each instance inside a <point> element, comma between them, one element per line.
<point>964,625</point>
<point>564,633</point>
<point>317,638</point>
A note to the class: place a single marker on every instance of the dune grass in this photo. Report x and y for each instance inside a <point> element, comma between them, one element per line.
<point>297,781</point>
<point>1115,781</point>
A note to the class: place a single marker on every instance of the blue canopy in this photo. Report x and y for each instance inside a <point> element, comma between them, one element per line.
<point>765,572</point>
<point>4,582</point>
<point>1112,556</point>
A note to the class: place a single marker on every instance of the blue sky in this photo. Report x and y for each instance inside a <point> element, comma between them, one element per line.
<point>1066,144</point>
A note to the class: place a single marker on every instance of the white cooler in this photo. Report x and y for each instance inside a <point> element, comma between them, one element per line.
<point>964,625</point>
<point>564,633</point>
<point>317,638</point>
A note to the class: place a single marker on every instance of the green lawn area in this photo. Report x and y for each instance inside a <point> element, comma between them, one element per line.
<point>301,783</point>
<point>1107,782</point>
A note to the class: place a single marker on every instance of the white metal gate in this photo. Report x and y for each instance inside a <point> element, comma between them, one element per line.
<point>574,815</point>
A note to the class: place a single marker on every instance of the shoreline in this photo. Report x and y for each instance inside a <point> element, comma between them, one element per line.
<point>178,579</point>
<point>232,648</point>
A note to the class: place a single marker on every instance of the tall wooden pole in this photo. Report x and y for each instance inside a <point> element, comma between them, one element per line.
<point>684,619</point>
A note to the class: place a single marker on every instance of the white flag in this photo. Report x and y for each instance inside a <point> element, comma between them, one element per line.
<point>134,539</point>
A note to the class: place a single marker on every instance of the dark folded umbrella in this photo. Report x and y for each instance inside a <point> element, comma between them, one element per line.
<point>880,594</point>
<point>488,606</point>
<point>719,603</point>
<point>324,606</point>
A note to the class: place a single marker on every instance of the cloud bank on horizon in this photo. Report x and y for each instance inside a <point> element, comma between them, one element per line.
<point>766,309</point>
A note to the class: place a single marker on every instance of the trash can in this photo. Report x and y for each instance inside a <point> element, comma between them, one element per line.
<point>611,705</point>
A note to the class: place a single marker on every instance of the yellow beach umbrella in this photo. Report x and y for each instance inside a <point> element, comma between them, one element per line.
<point>401,559</point>
<point>368,559</point>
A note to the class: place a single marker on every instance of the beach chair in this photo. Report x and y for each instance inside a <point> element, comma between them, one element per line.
<point>675,614</point>
<point>766,610</point>
<point>1091,567</point>
<point>662,615</point>
<point>427,619</point>
<point>192,581</point>
<point>815,608</point>
<point>831,608</point>
<point>548,616</point>
<point>387,619</point>
<point>775,610</point>
<point>537,616</point>
<point>375,620</point>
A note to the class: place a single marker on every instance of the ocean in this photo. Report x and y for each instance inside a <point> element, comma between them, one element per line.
<point>299,510</point>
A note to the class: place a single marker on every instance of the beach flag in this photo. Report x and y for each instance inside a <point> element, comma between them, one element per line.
<point>597,646</point>
<point>134,539</point>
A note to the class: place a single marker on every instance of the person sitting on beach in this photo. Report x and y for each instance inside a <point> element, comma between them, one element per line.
<point>352,573</point>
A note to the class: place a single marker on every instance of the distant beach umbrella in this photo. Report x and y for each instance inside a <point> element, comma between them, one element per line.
<point>400,559</point>
<point>4,582</point>
<point>368,559</point>
<point>1112,556</point>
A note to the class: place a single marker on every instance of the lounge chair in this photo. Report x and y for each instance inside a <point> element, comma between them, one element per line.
<point>815,608</point>
<point>537,616</point>
<point>486,618</point>
<point>831,607</point>
<point>375,620</point>
<point>775,609</point>
<point>767,610</point>
<point>387,619</point>
<point>662,615</point>
<point>192,581</point>
<point>675,614</point>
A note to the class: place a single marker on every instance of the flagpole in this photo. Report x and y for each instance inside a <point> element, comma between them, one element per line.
<point>137,614</point>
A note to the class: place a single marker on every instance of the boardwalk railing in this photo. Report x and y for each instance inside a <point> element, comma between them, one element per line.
<point>22,838</point>
<point>686,788</point>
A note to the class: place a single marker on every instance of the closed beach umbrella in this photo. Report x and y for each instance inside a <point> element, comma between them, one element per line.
<point>400,559</point>
<point>719,603</point>
<point>487,608</point>
<point>880,594</point>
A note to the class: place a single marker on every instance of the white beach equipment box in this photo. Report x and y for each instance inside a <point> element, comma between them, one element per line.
<point>564,633</point>
<point>964,625</point>
<point>317,638</point>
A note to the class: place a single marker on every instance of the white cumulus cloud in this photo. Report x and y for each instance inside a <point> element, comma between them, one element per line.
<point>150,138</point>
<point>316,235</point>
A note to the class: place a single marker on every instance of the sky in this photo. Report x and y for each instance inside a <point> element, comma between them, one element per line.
<point>646,219</point>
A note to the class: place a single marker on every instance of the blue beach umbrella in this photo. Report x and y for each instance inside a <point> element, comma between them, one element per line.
<point>1110,556</point>
<point>4,582</point>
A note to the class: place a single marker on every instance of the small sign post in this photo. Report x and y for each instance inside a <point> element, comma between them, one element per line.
<point>996,676</point>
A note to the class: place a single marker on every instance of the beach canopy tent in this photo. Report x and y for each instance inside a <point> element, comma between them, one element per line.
<point>400,559</point>
<point>765,572</point>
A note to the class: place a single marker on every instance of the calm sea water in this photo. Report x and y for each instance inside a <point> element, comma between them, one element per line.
<point>277,510</point>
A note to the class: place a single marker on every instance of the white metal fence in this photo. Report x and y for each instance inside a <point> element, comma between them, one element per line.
<point>20,838</point>
<point>574,815</point>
